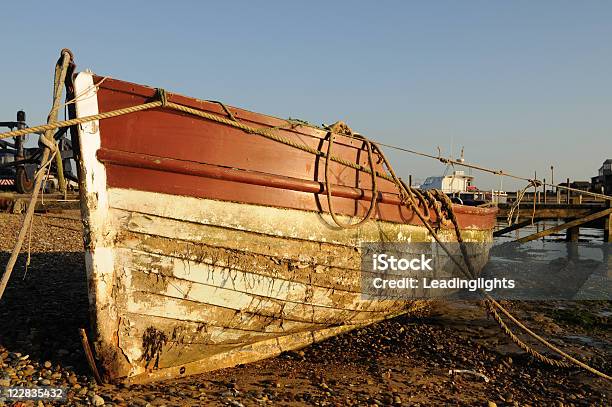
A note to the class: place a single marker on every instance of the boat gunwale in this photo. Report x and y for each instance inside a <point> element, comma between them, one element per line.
<point>118,85</point>
<point>147,92</point>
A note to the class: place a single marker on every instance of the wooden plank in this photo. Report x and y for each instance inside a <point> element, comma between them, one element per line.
<point>551,210</point>
<point>245,354</point>
<point>266,220</point>
<point>566,225</point>
<point>515,226</point>
<point>240,290</point>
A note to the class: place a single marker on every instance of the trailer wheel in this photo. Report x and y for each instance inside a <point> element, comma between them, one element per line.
<point>23,184</point>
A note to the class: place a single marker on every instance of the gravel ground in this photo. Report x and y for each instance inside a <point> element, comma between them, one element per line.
<point>405,361</point>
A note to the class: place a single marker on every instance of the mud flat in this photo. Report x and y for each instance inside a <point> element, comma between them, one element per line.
<point>405,361</point>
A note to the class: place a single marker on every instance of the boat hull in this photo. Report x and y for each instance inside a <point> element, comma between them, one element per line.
<point>200,259</point>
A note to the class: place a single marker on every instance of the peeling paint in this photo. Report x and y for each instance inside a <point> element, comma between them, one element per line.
<point>153,342</point>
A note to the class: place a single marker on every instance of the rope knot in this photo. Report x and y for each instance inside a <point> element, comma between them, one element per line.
<point>341,128</point>
<point>162,96</point>
<point>535,182</point>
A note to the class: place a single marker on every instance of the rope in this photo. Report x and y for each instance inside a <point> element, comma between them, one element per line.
<point>269,134</point>
<point>265,133</point>
<point>80,120</point>
<point>80,96</point>
<point>370,211</point>
<point>50,144</point>
<point>226,109</point>
<point>490,304</point>
<point>516,205</point>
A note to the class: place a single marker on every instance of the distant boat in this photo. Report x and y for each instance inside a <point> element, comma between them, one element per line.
<point>460,187</point>
<point>208,247</point>
<point>455,183</point>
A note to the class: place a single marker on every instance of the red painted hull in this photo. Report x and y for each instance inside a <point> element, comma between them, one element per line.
<point>170,152</point>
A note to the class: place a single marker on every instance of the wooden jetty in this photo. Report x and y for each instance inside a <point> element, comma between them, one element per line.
<point>578,213</point>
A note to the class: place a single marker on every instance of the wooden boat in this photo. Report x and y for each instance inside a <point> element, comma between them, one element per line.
<point>208,247</point>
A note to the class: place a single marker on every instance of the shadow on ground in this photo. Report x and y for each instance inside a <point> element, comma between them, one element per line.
<point>42,310</point>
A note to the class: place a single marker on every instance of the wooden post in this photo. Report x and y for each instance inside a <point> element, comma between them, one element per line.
<point>608,224</point>
<point>536,193</point>
<point>572,252</point>
<point>607,257</point>
<point>410,180</point>
<point>558,196</point>
<point>544,188</point>
<point>89,356</point>
<point>572,234</point>
<point>568,191</point>
<point>552,176</point>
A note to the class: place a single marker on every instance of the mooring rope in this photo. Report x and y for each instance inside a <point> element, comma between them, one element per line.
<point>407,194</point>
<point>448,160</point>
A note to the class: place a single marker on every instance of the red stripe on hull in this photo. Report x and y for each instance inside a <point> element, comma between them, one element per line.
<point>174,153</point>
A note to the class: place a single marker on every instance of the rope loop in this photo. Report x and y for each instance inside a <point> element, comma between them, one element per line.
<point>372,171</point>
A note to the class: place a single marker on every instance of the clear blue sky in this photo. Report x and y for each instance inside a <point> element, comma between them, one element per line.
<point>521,84</point>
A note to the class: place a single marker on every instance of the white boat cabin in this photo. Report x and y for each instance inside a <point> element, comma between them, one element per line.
<point>457,182</point>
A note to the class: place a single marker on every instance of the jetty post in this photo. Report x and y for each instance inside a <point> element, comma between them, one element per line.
<point>608,224</point>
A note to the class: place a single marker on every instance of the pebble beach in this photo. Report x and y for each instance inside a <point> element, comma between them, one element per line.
<point>449,354</point>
